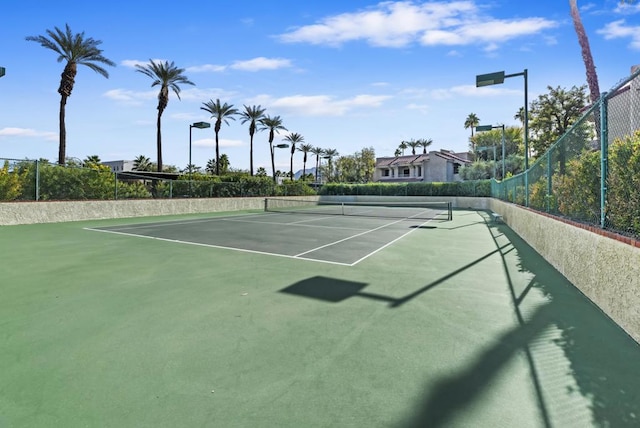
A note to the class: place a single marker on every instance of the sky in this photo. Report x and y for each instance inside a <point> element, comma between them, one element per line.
<point>345,74</point>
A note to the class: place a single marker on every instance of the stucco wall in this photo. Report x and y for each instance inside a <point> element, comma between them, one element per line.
<point>606,270</point>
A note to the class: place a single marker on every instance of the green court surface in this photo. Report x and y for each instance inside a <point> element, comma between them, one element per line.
<point>287,320</point>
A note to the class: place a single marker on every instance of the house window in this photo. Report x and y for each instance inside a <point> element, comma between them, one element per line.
<point>419,171</point>
<point>456,167</point>
<point>385,173</point>
<point>405,172</point>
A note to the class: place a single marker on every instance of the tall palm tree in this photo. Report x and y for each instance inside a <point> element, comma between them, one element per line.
<point>167,76</point>
<point>252,115</point>
<point>592,76</point>
<point>305,149</point>
<point>403,146</point>
<point>330,154</point>
<point>293,139</point>
<point>76,50</point>
<point>398,152</point>
<point>274,125</point>
<point>413,144</point>
<point>471,122</point>
<point>520,115</point>
<point>317,151</point>
<point>221,113</point>
<point>424,143</point>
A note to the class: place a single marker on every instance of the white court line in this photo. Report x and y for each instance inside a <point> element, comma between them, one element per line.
<point>218,246</point>
<point>296,223</point>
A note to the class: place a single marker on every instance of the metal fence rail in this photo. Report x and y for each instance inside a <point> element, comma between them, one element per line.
<point>592,173</point>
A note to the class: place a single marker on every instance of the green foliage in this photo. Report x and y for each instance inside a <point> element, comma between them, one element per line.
<point>578,191</point>
<point>10,184</point>
<point>623,184</point>
<point>458,188</point>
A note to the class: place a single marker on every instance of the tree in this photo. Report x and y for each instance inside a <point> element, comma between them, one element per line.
<point>92,160</point>
<point>397,153</point>
<point>318,151</point>
<point>293,139</point>
<point>305,149</point>
<point>413,144</point>
<point>253,115</point>
<point>403,146</point>
<point>221,113</point>
<point>76,50</point>
<point>142,163</point>
<point>553,114</point>
<point>261,172</point>
<point>424,143</point>
<point>471,122</point>
<point>167,76</point>
<point>330,154</point>
<point>211,166</point>
<point>274,125</point>
<point>224,164</point>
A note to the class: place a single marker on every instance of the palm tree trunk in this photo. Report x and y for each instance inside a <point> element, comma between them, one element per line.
<point>159,140</point>
<point>251,155</point>
<point>291,166</point>
<point>62,148</point>
<point>273,162</point>
<point>217,156</point>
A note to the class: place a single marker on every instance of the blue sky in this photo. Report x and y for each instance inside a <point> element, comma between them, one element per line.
<point>344,74</point>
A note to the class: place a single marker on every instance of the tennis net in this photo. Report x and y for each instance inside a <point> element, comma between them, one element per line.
<point>388,209</point>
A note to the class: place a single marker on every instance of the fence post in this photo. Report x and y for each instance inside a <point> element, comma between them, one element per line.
<point>37,195</point>
<point>549,180</point>
<point>604,157</point>
<point>115,190</point>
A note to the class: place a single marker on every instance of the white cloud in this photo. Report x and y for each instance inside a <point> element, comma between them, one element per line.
<point>28,133</point>
<point>261,63</point>
<point>472,91</point>
<point>619,29</point>
<point>131,63</point>
<point>400,23</point>
<point>320,105</point>
<point>206,68</point>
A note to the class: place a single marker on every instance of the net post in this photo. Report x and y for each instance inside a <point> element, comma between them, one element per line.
<point>265,204</point>
<point>450,210</point>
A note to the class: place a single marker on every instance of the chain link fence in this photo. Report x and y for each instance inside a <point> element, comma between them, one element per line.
<point>592,173</point>
<point>38,180</point>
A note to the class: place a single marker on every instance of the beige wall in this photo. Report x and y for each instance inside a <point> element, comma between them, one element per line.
<point>607,271</point>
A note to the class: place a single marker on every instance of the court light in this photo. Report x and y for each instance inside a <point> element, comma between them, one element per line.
<point>482,128</point>
<point>497,78</point>
<point>199,125</point>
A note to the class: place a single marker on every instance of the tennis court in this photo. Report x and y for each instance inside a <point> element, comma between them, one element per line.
<point>326,232</point>
<point>301,320</point>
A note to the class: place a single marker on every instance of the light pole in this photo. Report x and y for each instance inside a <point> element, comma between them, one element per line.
<point>496,79</point>
<point>482,128</point>
<point>199,125</point>
<point>273,166</point>
<point>2,71</point>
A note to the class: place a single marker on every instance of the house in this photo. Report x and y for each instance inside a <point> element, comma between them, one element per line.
<point>436,166</point>
<point>119,165</point>
<point>624,109</point>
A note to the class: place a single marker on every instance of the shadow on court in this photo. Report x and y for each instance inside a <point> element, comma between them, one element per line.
<point>603,359</point>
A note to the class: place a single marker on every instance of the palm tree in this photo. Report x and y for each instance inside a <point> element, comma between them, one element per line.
<point>92,160</point>
<point>592,76</point>
<point>221,113</point>
<point>142,163</point>
<point>330,154</point>
<point>274,125</point>
<point>305,148</point>
<point>398,152</point>
<point>471,122</point>
<point>403,146</point>
<point>224,163</point>
<point>413,144</point>
<point>167,76</point>
<point>520,115</point>
<point>252,115</point>
<point>211,166</point>
<point>424,143</point>
<point>76,50</point>
<point>317,151</point>
<point>293,139</point>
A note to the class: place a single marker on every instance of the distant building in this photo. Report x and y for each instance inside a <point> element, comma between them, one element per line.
<point>436,166</point>
<point>624,109</point>
<point>119,165</point>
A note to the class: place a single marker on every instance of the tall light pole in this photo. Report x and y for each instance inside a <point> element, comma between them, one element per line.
<point>496,79</point>
<point>199,125</point>
<point>482,128</point>
<point>277,146</point>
